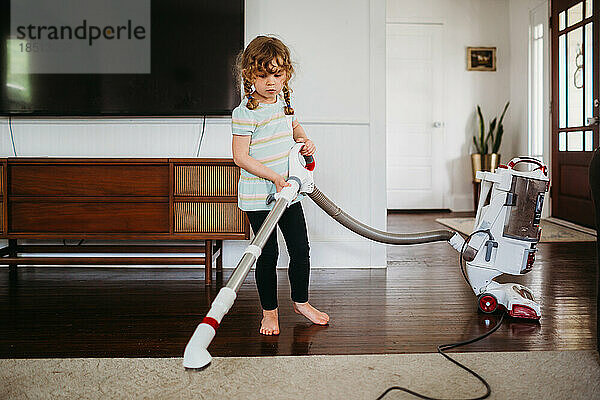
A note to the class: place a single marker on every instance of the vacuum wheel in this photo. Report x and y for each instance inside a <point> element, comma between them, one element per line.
<point>488,303</point>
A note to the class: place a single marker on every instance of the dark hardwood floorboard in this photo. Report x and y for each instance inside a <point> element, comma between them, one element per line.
<point>420,301</point>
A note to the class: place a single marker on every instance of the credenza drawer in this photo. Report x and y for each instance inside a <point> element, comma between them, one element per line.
<point>206,180</point>
<point>199,217</point>
<point>88,180</point>
<point>93,217</point>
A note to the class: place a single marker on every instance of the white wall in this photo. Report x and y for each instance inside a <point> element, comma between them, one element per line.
<point>519,47</point>
<point>520,11</point>
<point>467,23</point>
<point>520,14</point>
<point>340,99</point>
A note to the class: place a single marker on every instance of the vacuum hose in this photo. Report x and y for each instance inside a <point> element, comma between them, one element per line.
<point>374,234</point>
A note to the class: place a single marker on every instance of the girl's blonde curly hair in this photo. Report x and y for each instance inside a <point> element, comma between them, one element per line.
<point>257,58</point>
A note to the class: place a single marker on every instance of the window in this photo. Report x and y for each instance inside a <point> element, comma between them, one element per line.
<point>537,118</point>
<point>538,128</point>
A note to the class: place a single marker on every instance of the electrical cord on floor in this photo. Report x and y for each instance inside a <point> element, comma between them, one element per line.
<point>443,347</point>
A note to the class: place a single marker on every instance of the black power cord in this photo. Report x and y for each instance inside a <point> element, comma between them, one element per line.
<point>12,139</point>
<point>201,136</point>
<point>460,257</point>
<point>443,347</point>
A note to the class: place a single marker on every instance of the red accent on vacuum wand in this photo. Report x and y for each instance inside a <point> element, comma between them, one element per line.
<point>211,321</point>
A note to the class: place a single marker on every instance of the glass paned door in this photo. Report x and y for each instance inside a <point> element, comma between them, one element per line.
<point>575,73</point>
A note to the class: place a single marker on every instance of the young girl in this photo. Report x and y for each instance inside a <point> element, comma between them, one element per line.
<point>264,130</point>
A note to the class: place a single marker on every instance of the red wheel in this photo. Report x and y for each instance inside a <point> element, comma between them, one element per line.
<point>488,303</point>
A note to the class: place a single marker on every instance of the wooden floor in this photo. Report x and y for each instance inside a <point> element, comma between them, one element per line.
<point>420,301</point>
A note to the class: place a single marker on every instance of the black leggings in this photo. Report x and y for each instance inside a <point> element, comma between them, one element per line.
<point>293,227</point>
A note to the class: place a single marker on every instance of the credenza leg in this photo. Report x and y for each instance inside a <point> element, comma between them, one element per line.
<point>12,252</point>
<point>219,248</point>
<point>208,261</point>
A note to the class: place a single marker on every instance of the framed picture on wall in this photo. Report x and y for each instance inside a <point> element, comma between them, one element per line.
<point>481,58</point>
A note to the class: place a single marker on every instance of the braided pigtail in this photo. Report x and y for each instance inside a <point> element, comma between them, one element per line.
<point>252,102</point>
<point>288,110</point>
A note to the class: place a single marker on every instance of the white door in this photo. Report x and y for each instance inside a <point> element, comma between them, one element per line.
<point>415,128</point>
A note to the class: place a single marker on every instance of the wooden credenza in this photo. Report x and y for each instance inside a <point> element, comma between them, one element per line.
<point>126,199</point>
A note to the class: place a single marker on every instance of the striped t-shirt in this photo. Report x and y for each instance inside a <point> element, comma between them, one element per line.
<point>270,143</point>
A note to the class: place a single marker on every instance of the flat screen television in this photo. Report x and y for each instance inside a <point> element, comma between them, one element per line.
<point>186,68</point>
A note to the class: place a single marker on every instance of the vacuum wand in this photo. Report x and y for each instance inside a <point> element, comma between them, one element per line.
<point>196,354</point>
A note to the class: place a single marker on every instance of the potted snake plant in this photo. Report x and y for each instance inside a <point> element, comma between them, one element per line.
<point>487,145</point>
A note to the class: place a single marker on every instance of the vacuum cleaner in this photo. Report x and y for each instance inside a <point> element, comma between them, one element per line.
<point>503,241</point>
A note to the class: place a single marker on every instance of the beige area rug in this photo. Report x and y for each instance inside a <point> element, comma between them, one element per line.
<point>512,375</point>
<point>551,232</point>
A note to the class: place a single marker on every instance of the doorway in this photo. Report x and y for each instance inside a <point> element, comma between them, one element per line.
<point>414,109</point>
<point>575,106</point>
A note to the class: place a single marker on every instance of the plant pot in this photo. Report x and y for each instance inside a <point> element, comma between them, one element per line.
<point>491,162</point>
<point>484,162</point>
<point>476,165</point>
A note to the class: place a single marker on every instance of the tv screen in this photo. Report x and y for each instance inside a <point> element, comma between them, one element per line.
<point>115,58</point>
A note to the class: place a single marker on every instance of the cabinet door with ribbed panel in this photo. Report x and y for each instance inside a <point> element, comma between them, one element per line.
<point>205,198</point>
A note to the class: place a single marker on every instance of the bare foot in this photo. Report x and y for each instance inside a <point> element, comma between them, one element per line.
<point>270,322</point>
<point>316,316</point>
